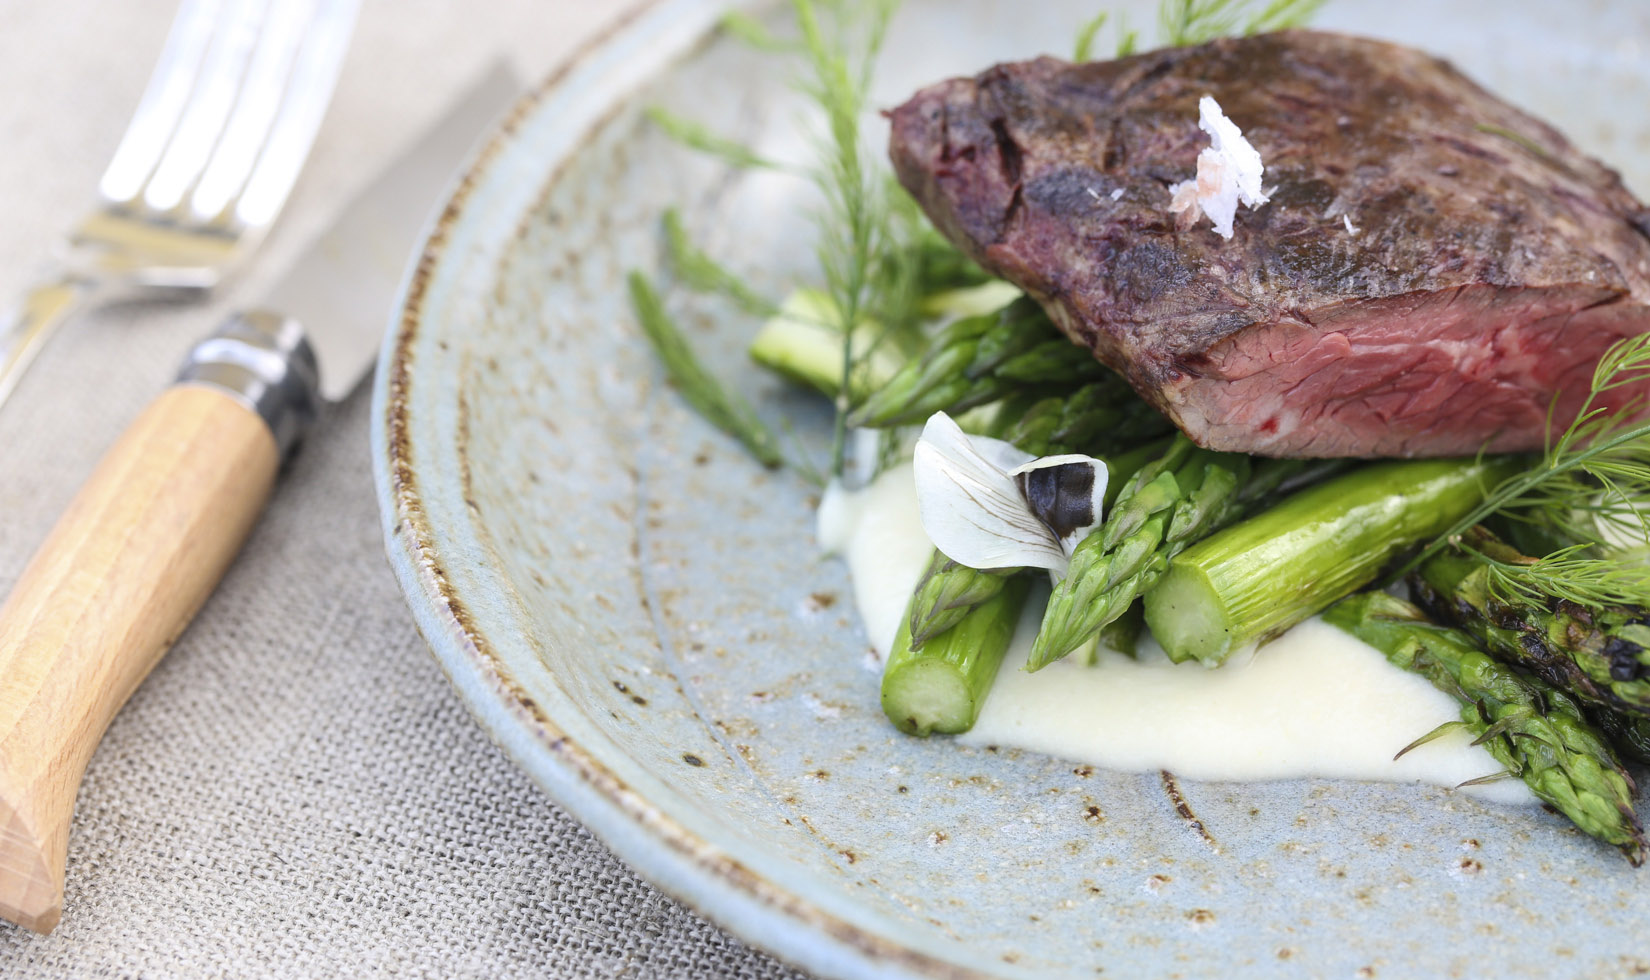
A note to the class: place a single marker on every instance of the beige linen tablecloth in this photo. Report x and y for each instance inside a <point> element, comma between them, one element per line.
<point>296,790</point>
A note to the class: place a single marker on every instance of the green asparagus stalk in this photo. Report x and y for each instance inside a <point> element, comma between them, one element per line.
<point>799,343</point>
<point>977,360</point>
<point>948,590</point>
<point>1102,418</point>
<point>1538,733</point>
<point>961,301</point>
<point>1181,497</point>
<point>937,381</point>
<point>1630,734</point>
<point>720,406</point>
<point>1261,576</point>
<point>1123,633</point>
<point>946,593</point>
<point>941,265</point>
<point>1276,479</point>
<point>1599,655</point>
<point>940,686</point>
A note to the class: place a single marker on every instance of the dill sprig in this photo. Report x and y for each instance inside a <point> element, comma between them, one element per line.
<point>1623,579</point>
<point>721,407</point>
<point>1084,49</point>
<point>695,135</point>
<point>1524,142</point>
<point>854,225</point>
<point>874,248</point>
<point>1590,490</point>
<point>699,272</point>
<point>754,33</point>
<point>1184,22</point>
<point>1283,14</point>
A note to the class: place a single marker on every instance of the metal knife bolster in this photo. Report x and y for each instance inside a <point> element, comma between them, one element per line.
<point>264,361</point>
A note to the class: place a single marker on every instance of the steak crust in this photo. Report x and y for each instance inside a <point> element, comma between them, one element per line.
<point>1487,266</point>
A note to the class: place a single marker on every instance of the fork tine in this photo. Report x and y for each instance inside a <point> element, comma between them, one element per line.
<point>314,73</point>
<point>162,103</point>
<point>254,112</point>
<point>209,104</point>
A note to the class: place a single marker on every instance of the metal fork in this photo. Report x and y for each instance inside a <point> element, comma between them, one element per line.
<point>207,161</point>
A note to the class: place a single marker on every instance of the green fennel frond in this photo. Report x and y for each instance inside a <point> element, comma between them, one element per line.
<point>694,135</point>
<point>1128,39</point>
<point>1283,14</point>
<point>699,272</point>
<point>1524,142</point>
<point>1088,34</point>
<point>840,42</point>
<point>1622,579</point>
<point>1590,489</point>
<point>1084,49</point>
<point>722,408</point>
<point>1183,22</point>
<point>1593,487</point>
<point>754,33</point>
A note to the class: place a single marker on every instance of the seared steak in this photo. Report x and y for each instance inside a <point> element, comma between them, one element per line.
<point>1432,267</point>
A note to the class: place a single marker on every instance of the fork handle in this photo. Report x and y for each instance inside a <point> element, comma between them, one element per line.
<point>25,328</point>
<point>139,549</point>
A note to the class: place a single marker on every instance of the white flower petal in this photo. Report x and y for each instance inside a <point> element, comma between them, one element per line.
<point>943,433</point>
<point>1001,455</point>
<point>971,508</point>
<point>1069,497</point>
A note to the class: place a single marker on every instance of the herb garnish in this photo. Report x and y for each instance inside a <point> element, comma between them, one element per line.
<point>722,408</point>
<point>1184,22</point>
<point>1589,492</point>
<point>703,274</point>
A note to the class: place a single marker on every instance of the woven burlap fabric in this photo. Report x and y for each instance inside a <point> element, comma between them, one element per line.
<point>296,791</point>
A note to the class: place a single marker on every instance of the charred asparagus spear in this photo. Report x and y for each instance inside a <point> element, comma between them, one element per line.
<point>960,620</point>
<point>1537,732</point>
<point>1178,499</point>
<point>1600,655</point>
<point>977,360</point>
<point>1630,734</point>
<point>1257,578</point>
<point>947,590</point>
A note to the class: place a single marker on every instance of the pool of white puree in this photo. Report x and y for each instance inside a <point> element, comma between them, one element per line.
<point>1316,702</point>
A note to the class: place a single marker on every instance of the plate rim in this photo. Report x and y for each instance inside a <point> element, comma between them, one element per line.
<point>702,876</point>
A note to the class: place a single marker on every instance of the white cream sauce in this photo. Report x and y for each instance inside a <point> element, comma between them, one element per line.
<point>1315,702</point>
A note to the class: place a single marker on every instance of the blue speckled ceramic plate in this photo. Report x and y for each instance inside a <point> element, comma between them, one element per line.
<point>641,616</point>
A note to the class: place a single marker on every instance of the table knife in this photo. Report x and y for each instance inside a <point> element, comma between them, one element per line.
<point>147,538</point>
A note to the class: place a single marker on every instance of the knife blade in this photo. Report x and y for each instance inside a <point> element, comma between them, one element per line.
<point>147,538</point>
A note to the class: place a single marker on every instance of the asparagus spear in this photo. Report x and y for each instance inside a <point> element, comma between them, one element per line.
<point>1537,732</point>
<point>1630,734</point>
<point>948,590</point>
<point>1179,498</point>
<point>960,620</point>
<point>946,593</point>
<point>1123,633</point>
<point>1102,418</point>
<point>1259,577</point>
<point>940,686</point>
<point>800,344</point>
<point>1600,655</point>
<point>720,406</point>
<point>941,265</point>
<point>978,360</point>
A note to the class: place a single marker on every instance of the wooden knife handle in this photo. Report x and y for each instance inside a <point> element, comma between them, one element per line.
<point>141,546</point>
